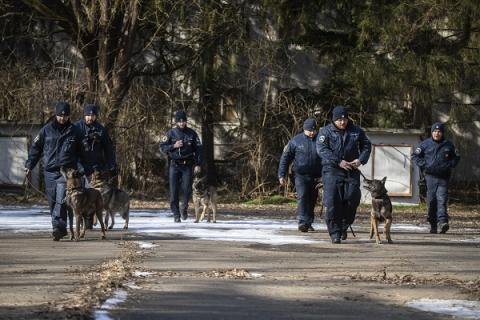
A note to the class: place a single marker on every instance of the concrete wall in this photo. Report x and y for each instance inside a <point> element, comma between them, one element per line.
<point>15,142</point>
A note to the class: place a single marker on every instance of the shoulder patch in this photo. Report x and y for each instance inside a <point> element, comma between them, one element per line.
<point>418,150</point>
<point>322,139</point>
<point>164,139</point>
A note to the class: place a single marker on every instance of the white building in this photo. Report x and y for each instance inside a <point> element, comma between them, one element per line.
<point>390,157</point>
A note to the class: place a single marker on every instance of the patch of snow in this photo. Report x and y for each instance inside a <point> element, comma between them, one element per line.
<point>410,227</point>
<point>256,275</point>
<point>132,285</point>
<point>146,245</point>
<point>259,230</point>
<point>141,274</point>
<point>118,297</point>
<point>470,240</point>
<point>456,308</point>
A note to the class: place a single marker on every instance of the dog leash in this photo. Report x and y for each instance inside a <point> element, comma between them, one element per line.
<point>27,182</point>
<point>353,233</point>
<point>364,178</point>
<point>25,188</point>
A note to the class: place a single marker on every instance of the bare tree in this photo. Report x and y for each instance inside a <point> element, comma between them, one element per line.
<point>116,41</point>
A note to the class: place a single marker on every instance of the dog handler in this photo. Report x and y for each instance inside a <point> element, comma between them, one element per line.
<point>59,143</point>
<point>98,151</point>
<point>343,147</point>
<point>307,167</point>
<point>184,150</point>
<point>436,157</point>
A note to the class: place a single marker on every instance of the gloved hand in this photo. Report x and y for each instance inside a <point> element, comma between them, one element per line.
<point>178,144</point>
<point>355,163</point>
<point>345,165</point>
<point>197,170</point>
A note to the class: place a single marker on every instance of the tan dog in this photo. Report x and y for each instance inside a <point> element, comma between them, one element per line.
<point>206,196</point>
<point>114,199</point>
<point>381,208</point>
<point>83,203</point>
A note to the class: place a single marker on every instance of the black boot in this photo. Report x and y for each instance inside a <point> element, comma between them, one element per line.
<point>59,234</point>
<point>443,227</point>
<point>303,228</point>
<point>336,238</point>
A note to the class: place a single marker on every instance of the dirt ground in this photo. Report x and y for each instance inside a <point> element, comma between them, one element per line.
<point>186,278</point>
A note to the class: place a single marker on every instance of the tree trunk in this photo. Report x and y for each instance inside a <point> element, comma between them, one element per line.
<point>206,107</point>
<point>208,144</point>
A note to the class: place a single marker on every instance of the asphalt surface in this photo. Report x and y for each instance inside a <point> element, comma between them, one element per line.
<point>176,277</point>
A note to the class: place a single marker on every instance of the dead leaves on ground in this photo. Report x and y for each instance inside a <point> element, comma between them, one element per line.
<point>98,284</point>
<point>471,287</point>
<point>238,274</point>
<point>234,273</point>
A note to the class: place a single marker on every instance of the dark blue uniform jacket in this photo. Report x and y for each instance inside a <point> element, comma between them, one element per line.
<point>60,146</point>
<point>436,158</point>
<point>301,150</point>
<point>334,145</point>
<point>191,149</point>
<point>98,151</point>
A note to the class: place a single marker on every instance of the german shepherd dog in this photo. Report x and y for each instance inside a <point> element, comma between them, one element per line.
<point>381,208</point>
<point>114,199</point>
<point>204,195</point>
<point>83,202</point>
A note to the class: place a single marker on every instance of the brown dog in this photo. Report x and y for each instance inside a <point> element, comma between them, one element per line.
<point>381,208</point>
<point>114,199</point>
<point>205,196</point>
<point>83,202</point>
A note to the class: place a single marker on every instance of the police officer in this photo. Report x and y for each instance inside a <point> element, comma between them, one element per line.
<point>307,168</point>
<point>184,150</point>
<point>98,151</point>
<point>436,157</point>
<point>59,143</point>
<point>343,147</point>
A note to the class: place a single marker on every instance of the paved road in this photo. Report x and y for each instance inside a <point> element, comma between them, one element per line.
<point>165,276</point>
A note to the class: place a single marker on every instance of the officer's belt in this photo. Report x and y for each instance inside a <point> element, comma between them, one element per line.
<point>347,175</point>
<point>183,162</point>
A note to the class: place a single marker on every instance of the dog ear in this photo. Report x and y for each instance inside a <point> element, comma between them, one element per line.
<point>383,180</point>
